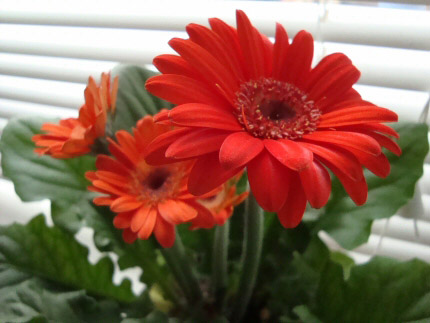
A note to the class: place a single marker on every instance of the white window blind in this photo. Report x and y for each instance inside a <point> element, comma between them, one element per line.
<point>49,48</point>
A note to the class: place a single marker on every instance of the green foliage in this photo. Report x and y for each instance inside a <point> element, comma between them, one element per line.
<point>27,299</point>
<point>350,225</point>
<point>133,101</point>
<point>383,290</point>
<point>107,238</point>
<point>55,255</point>
<point>45,276</point>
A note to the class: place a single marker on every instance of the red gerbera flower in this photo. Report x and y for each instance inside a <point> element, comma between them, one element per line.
<point>74,136</point>
<point>147,198</point>
<point>244,101</point>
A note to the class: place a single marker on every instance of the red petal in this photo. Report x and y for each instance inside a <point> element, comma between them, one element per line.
<point>139,218</point>
<point>386,142</point>
<point>102,200</point>
<point>316,184</point>
<point>116,150</point>
<point>155,152</point>
<point>202,115</point>
<point>147,130</point>
<point>107,188</point>
<point>129,236</point>
<point>173,64</point>
<point>148,225</point>
<point>209,67</point>
<point>357,115</point>
<point>104,162</point>
<point>330,87</point>
<point>207,174</point>
<point>196,143</point>
<point>357,190</point>
<point>164,232</point>
<point>378,127</point>
<point>231,41</point>
<point>378,165</point>
<point>326,66</point>
<point>204,220</point>
<point>342,159</point>
<point>349,99</point>
<point>176,212</point>
<point>280,51</point>
<point>347,139</point>
<point>290,153</point>
<point>128,144</point>
<point>268,53</point>
<point>238,149</point>
<point>123,220</point>
<point>269,181</point>
<point>215,45</point>
<point>125,203</point>
<point>250,42</point>
<point>299,59</point>
<point>180,89</point>
<point>292,212</point>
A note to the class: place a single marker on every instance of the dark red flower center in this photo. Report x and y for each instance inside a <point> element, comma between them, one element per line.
<point>157,178</point>
<point>272,109</point>
<point>156,183</point>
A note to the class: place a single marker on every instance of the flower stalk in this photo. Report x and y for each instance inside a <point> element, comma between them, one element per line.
<point>219,262</point>
<point>251,254</point>
<point>179,264</point>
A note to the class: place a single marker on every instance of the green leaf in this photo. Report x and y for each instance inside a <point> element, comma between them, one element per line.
<point>55,255</point>
<point>143,254</point>
<point>350,225</point>
<point>72,217</point>
<point>27,299</point>
<point>133,101</point>
<point>154,317</point>
<point>346,262</point>
<point>305,315</point>
<point>39,177</point>
<point>383,290</point>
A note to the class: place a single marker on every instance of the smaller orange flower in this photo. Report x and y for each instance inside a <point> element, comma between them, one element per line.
<point>221,204</point>
<point>75,136</point>
<point>147,199</point>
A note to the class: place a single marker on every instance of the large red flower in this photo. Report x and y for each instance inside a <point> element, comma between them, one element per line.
<point>147,199</point>
<point>75,136</point>
<point>244,101</point>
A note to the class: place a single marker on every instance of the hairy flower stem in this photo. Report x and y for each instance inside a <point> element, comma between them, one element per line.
<point>252,245</point>
<point>179,264</point>
<point>219,263</point>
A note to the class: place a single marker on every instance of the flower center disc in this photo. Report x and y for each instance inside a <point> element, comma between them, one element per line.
<point>272,109</point>
<point>157,178</point>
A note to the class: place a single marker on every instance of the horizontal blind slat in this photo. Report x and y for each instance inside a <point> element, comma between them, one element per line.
<point>53,68</point>
<point>403,229</point>
<point>343,23</point>
<point>62,94</point>
<point>12,108</point>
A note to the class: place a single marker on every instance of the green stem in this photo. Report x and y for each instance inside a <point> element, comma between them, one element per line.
<point>219,262</point>
<point>252,246</point>
<point>179,264</point>
<point>161,281</point>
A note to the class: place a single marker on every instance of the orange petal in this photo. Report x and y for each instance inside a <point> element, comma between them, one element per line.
<point>176,212</point>
<point>125,203</point>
